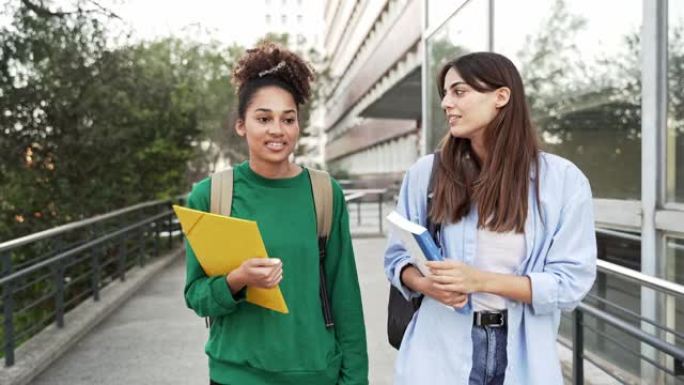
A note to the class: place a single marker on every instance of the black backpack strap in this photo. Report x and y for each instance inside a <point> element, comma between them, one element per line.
<point>433,228</point>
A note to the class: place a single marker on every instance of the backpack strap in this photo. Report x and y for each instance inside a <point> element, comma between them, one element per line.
<point>221,200</point>
<point>321,188</point>
<point>433,228</point>
<point>222,192</point>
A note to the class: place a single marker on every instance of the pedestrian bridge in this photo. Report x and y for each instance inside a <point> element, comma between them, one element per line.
<point>100,301</point>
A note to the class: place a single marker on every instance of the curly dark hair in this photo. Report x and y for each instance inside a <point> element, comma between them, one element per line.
<point>271,65</point>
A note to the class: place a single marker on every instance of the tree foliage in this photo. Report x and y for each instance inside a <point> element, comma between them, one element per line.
<point>88,128</point>
<point>92,122</point>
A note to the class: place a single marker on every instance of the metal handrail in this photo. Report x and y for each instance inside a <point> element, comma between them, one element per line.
<point>366,190</point>
<point>619,234</point>
<point>660,284</point>
<point>83,247</point>
<point>141,232</point>
<point>356,195</point>
<point>634,331</point>
<point>644,280</point>
<point>14,243</point>
<point>630,313</point>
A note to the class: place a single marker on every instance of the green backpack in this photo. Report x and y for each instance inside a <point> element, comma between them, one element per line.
<point>321,186</point>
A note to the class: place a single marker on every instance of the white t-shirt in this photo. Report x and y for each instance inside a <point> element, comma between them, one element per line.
<point>497,253</point>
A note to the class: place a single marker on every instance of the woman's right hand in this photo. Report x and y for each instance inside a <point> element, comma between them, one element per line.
<point>263,273</point>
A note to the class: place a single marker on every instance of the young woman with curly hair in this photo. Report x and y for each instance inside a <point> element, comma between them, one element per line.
<point>248,344</point>
<point>517,237</point>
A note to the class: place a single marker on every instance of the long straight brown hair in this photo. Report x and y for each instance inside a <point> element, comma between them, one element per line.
<point>499,185</point>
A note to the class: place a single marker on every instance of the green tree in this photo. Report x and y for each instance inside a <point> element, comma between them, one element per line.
<point>89,128</point>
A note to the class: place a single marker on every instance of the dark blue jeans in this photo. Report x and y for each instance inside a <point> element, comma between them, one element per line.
<point>489,355</point>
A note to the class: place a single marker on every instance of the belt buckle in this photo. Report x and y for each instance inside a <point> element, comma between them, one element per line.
<point>502,321</point>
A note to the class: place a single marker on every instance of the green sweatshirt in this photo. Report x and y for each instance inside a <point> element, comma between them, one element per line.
<point>250,345</point>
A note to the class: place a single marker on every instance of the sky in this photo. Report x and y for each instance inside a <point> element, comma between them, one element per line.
<point>227,21</point>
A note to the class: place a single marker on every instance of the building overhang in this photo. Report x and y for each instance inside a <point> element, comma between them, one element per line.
<point>399,41</point>
<point>369,133</point>
<point>401,101</point>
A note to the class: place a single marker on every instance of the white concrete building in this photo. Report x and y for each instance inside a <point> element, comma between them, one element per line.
<point>373,105</point>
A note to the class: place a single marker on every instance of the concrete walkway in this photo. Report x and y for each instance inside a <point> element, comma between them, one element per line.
<point>155,339</point>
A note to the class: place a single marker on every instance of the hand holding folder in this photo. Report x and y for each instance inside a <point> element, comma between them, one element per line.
<point>221,244</point>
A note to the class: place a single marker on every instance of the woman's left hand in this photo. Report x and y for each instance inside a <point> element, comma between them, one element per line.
<point>455,276</point>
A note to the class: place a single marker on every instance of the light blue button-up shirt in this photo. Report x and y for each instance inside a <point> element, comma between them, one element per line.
<point>560,262</point>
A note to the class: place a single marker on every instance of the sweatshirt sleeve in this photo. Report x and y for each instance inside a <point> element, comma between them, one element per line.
<point>345,296</point>
<point>207,296</point>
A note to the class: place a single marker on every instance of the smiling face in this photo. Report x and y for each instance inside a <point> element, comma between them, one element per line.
<point>271,127</point>
<point>467,110</point>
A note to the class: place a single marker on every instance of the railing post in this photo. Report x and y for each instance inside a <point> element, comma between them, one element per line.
<point>380,211</point>
<point>58,271</point>
<point>156,238</point>
<point>59,295</point>
<point>6,263</point>
<point>95,282</point>
<point>123,250</point>
<point>8,310</point>
<point>168,228</point>
<point>577,348</point>
<point>141,247</point>
<point>181,235</point>
<point>602,292</point>
<point>358,212</point>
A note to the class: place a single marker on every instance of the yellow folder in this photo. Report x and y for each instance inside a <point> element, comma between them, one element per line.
<point>222,243</point>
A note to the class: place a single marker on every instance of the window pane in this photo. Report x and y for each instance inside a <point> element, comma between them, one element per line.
<point>613,291</point>
<point>438,9</point>
<point>675,121</point>
<point>582,78</point>
<point>465,32</point>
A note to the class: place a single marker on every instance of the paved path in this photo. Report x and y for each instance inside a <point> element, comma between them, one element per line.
<point>154,339</point>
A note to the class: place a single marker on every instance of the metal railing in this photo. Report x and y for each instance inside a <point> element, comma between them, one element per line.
<point>359,197</point>
<point>661,345</point>
<point>46,274</point>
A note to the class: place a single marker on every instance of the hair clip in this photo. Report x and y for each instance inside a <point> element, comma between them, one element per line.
<point>272,70</point>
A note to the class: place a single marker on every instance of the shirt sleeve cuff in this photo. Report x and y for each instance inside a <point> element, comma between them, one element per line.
<point>396,280</point>
<point>222,295</point>
<point>544,293</point>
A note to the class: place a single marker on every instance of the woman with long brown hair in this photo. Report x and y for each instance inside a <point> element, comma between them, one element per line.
<point>516,234</point>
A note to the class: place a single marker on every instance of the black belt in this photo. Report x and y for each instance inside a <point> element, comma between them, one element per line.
<point>490,318</point>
